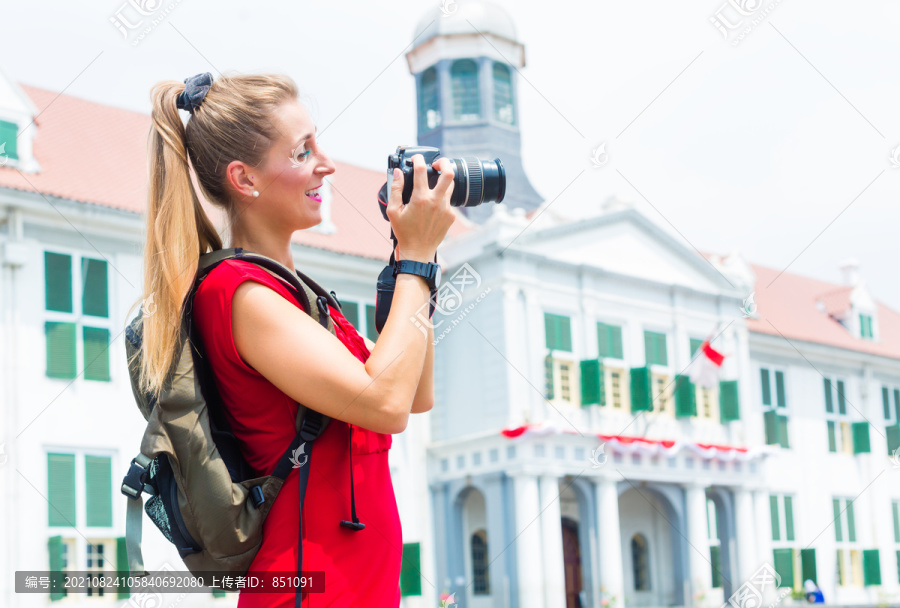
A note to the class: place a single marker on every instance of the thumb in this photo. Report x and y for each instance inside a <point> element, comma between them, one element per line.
<point>395,200</point>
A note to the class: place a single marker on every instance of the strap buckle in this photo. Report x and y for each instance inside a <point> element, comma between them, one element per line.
<point>135,481</point>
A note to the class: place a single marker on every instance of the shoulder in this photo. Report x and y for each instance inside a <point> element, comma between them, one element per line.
<point>223,280</point>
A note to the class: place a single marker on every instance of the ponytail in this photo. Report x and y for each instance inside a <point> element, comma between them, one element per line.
<point>235,116</point>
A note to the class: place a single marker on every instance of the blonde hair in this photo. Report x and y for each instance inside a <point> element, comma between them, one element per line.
<point>234,122</point>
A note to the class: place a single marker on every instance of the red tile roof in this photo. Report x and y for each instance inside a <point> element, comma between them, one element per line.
<point>789,307</point>
<point>97,154</point>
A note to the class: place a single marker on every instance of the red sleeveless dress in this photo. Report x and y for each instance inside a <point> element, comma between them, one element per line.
<point>361,568</point>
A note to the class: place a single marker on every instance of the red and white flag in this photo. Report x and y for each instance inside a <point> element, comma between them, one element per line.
<point>706,367</point>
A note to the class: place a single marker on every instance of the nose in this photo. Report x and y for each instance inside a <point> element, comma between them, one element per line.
<point>326,165</point>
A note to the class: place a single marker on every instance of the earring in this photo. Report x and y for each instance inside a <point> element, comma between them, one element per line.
<point>256,193</point>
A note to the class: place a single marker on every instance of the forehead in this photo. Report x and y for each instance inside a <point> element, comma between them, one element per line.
<point>293,121</point>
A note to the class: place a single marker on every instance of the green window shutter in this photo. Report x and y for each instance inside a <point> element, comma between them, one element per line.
<point>350,310</point>
<point>788,518</point>
<point>897,404</point>
<point>829,399</point>
<point>773,514</point>
<point>98,490</point>
<point>61,489</point>
<point>695,345</point>
<point>842,401</point>
<point>56,549</point>
<point>655,348</point>
<point>715,560</point>
<point>871,567</point>
<point>851,522</point>
<point>371,330</point>
<point>779,389</point>
<point>58,281</point>
<point>641,395</point>
<point>770,418</point>
<point>898,565</point>
<point>558,332</point>
<point>410,571</point>
<point>861,443</point>
<point>60,350</point>
<point>609,340</point>
<point>895,509</point>
<point>685,397</point>
<point>9,139</point>
<point>548,377</point>
<point>96,353</point>
<point>783,439</point>
<point>122,592</point>
<point>838,531</point>
<point>784,566</point>
<point>219,593</point>
<point>808,565</point>
<point>766,387</point>
<point>886,402</point>
<point>893,438</point>
<point>95,287</point>
<point>729,403</point>
<point>591,382</point>
<point>832,436</point>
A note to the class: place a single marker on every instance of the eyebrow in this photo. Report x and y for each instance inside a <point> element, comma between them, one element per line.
<point>307,136</point>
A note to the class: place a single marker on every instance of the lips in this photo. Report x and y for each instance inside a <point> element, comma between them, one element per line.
<point>314,194</point>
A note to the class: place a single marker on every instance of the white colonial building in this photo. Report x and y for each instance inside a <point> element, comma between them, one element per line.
<point>569,461</point>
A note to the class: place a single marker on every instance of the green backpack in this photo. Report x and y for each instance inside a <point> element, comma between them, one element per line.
<point>204,497</point>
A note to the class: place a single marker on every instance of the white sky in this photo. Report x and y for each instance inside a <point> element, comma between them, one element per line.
<point>759,147</point>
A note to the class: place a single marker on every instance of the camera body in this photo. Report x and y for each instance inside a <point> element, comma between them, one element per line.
<point>475,181</point>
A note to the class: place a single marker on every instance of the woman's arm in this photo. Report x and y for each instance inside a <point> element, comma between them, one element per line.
<point>424,398</point>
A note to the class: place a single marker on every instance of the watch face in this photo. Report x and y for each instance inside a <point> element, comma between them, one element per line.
<point>437,277</point>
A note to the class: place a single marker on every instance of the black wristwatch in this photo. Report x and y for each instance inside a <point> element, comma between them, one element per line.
<point>431,272</point>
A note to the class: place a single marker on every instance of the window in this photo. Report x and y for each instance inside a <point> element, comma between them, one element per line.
<point>865,326</point>
<point>602,385</point>
<point>410,570</point>
<point>775,421</point>
<point>480,577</point>
<point>94,556</point>
<point>655,348</point>
<point>662,395</point>
<point>79,490</point>
<point>429,108</point>
<point>849,558</point>
<point>371,329</point>
<point>708,403</point>
<point>60,551</point>
<point>503,94</point>
<point>558,332</point>
<point>8,140</point>
<point>793,564</point>
<point>640,562</point>
<point>892,419</point>
<point>686,396</point>
<point>464,87</point>
<point>76,300</point>
<point>895,512</point>
<point>715,542</point>
<point>609,341</point>
<point>561,377</point>
<point>844,436</point>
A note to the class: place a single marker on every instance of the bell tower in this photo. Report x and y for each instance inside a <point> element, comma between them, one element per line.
<point>464,61</point>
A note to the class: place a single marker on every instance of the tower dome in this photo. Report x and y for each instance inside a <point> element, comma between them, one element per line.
<point>459,17</point>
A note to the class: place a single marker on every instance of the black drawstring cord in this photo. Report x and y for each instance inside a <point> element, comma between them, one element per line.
<point>354,525</point>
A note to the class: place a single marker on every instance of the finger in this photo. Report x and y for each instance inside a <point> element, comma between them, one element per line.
<point>395,199</point>
<point>445,181</point>
<point>420,177</point>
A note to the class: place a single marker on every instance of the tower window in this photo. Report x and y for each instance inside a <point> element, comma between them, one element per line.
<point>503,97</point>
<point>640,563</point>
<point>429,111</point>
<point>480,563</point>
<point>464,81</point>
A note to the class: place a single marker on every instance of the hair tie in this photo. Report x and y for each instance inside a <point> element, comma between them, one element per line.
<point>195,90</point>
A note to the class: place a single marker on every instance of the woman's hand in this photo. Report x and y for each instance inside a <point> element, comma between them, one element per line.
<point>422,224</point>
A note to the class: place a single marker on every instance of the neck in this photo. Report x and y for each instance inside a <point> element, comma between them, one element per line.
<point>279,249</point>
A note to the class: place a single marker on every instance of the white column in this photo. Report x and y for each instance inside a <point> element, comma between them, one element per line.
<point>528,541</point>
<point>612,577</point>
<point>551,539</point>
<point>698,537</point>
<point>764,530</point>
<point>745,530</point>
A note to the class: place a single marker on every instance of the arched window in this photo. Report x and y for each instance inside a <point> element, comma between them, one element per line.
<point>503,97</point>
<point>464,83</point>
<point>640,562</point>
<point>429,110</point>
<point>480,563</point>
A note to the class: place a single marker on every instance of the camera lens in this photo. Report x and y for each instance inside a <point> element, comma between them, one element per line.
<point>478,181</point>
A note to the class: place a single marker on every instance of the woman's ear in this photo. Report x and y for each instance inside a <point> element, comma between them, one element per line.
<point>241,181</point>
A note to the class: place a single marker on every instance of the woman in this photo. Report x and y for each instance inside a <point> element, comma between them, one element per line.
<point>254,152</point>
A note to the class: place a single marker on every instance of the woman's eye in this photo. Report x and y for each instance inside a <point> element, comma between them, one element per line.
<point>303,155</point>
